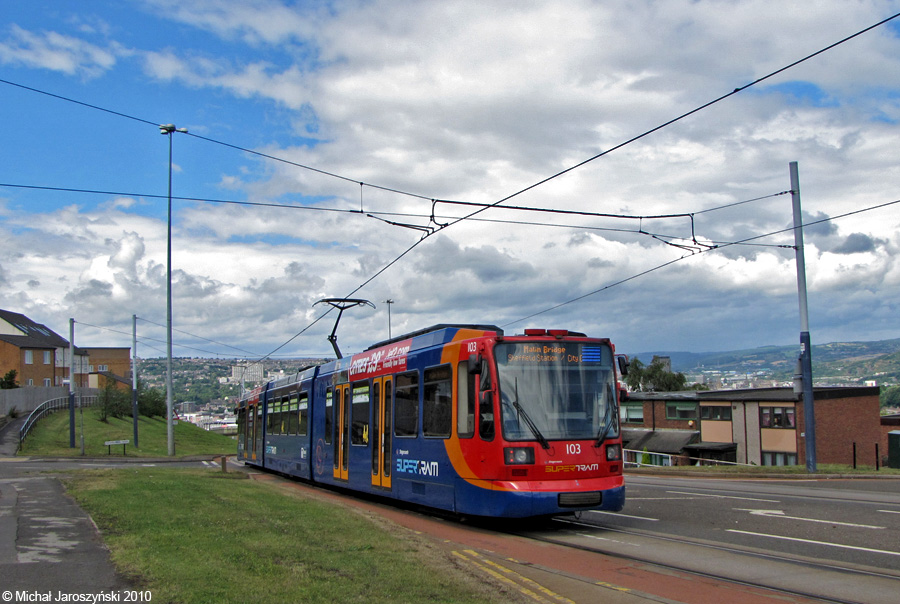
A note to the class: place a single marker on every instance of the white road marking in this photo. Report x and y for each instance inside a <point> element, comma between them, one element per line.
<point>853,547</point>
<point>598,538</point>
<point>624,515</point>
<point>780,514</point>
<point>724,496</point>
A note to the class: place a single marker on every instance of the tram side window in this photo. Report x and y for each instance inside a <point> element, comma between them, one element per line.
<point>466,396</point>
<point>406,404</point>
<point>304,414</point>
<point>485,405</point>
<point>329,415</point>
<point>359,429</point>
<point>289,415</point>
<point>437,404</point>
<point>285,418</point>
<point>273,419</point>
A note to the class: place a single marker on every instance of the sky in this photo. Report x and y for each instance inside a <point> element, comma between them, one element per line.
<point>320,134</point>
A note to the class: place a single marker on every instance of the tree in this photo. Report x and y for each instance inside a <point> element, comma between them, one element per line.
<point>8,381</point>
<point>114,402</point>
<point>151,401</point>
<point>890,397</point>
<point>656,377</point>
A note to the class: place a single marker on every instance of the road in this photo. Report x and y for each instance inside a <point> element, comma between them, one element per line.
<point>831,538</point>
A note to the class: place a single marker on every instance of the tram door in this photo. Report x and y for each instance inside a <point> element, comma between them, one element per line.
<point>252,422</point>
<point>342,433</point>
<point>258,432</point>
<point>382,426</point>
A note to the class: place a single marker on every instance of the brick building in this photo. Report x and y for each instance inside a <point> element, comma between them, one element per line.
<point>109,365</point>
<point>760,426</point>
<point>37,353</point>
<point>40,356</point>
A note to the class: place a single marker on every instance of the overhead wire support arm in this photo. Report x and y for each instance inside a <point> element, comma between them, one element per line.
<point>426,230</point>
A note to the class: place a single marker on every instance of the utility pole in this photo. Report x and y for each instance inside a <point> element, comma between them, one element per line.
<point>71,383</point>
<point>134,384</point>
<point>805,361</point>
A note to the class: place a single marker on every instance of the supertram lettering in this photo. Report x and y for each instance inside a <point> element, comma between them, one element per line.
<point>418,466</point>
<point>572,468</point>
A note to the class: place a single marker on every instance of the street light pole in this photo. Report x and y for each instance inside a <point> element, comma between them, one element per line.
<point>168,129</point>
<point>389,302</point>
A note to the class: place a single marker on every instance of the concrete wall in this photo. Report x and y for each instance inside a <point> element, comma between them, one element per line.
<point>25,400</point>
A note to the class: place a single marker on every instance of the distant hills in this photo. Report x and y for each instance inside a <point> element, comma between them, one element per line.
<point>838,362</point>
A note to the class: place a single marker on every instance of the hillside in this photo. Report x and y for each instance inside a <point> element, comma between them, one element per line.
<point>839,363</point>
<point>833,363</point>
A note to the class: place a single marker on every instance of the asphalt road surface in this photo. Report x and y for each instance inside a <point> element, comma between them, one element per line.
<point>830,538</point>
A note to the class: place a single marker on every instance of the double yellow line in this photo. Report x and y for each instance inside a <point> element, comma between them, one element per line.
<point>527,586</point>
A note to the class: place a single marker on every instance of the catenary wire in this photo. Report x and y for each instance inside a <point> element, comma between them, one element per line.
<point>719,247</point>
<point>377,214</point>
<point>214,141</point>
<point>520,192</point>
<point>682,116</point>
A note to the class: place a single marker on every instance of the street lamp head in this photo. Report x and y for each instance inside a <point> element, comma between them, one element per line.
<point>170,128</point>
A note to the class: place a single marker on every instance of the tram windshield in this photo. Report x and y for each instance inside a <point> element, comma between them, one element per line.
<point>557,390</point>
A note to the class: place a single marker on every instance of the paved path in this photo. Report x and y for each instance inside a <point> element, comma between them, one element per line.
<point>9,437</point>
<point>47,543</point>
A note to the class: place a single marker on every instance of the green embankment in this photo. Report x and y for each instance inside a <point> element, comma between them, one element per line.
<point>51,437</point>
<point>204,536</point>
<point>201,535</point>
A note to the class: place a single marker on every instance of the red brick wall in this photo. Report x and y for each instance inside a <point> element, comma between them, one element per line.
<point>840,422</point>
<point>659,408</point>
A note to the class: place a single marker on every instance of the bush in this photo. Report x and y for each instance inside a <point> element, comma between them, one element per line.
<point>8,381</point>
<point>114,402</point>
<point>151,401</point>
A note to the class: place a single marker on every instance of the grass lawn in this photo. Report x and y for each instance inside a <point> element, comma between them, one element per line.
<point>204,536</point>
<point>51,437</point>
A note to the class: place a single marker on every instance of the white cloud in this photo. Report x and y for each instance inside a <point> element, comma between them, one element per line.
<point>56,52</point>
<point>475,101</point>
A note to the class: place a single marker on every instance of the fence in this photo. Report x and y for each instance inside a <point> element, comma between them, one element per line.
<point>47,407</point>
<point>636,459</point>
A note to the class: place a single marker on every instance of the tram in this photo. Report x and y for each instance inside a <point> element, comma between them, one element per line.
<point>460,418</point>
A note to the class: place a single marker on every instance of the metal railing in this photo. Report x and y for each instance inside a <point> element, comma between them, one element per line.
<point>637,459</point>
<point>48,407</point>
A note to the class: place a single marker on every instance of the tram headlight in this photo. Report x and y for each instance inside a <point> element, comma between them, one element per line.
<point>613,452</point>
<point>517,456</point>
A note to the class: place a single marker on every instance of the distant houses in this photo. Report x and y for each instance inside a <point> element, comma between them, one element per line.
<point>40,357</point>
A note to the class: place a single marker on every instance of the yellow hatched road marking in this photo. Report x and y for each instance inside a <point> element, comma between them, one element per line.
<point>525,585</point>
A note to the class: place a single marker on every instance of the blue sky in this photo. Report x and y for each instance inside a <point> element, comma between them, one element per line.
<point>459,100</point>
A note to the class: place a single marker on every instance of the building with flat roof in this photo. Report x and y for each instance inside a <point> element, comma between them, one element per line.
<point>763,426</point>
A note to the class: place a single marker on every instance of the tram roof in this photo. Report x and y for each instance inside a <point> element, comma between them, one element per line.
<point>437,332</point>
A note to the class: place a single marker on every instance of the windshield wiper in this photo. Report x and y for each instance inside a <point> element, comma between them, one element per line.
<point>528,421</point>
<point>608,420</point>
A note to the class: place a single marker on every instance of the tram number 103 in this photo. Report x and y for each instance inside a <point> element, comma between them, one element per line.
<point>573,449</point>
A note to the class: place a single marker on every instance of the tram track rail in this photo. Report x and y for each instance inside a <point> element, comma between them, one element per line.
<point>808,565</point>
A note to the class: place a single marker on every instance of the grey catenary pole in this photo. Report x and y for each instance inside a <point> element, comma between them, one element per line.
<point>809,416</point>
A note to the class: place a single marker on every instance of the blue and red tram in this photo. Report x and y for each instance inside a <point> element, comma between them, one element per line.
<point>456,417</point>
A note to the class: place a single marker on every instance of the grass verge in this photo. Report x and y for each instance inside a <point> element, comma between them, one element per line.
<point>204,536</point>
<point>51,437</point>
